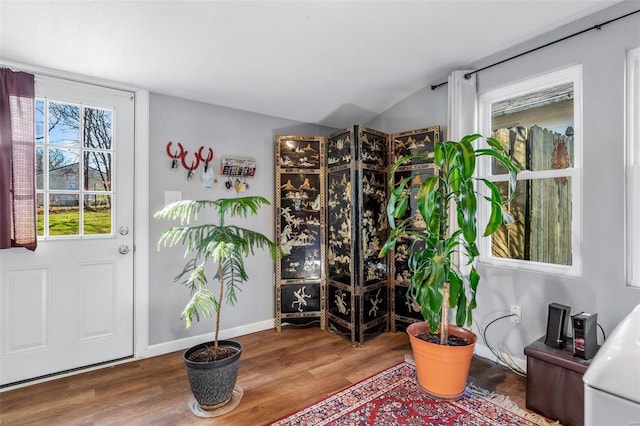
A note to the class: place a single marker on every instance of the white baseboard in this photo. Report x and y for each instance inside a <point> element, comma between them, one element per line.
<point>230,333</point>
<point>485,352</point>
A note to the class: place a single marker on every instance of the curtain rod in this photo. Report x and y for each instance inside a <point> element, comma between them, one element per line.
<point>597,27</point>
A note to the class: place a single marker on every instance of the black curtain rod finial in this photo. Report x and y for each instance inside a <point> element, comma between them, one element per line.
<point>435,86</point>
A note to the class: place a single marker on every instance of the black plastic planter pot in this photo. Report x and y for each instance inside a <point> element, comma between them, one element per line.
<point>212,383</point>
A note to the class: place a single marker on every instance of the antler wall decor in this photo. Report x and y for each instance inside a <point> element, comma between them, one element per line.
<point>181,154</point>
<point>194,164</point>
<point>175,156</point>
<point>205,160</point>
<point>207,173</point>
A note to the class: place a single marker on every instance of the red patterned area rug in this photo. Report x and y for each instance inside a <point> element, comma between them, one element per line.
<point>393,397</point>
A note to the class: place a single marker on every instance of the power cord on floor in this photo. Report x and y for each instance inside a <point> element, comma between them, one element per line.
<point>502,356</point>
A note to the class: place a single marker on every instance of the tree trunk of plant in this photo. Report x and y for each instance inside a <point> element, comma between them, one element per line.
<point>444,318</point>
<point>220,299</point>
<point>443,233</point>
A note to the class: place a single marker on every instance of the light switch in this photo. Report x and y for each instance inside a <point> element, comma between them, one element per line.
<point>172,197</point>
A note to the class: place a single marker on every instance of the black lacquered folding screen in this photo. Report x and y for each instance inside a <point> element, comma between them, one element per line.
<point>331,221</point>
<point>357,278</point>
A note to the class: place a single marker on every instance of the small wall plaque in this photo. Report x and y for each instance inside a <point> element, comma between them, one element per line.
<point>237,167</point>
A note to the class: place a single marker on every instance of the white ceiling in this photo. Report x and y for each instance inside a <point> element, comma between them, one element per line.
<point>334,63</point>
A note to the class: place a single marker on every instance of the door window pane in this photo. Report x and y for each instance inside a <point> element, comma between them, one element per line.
<point>39,167</point>
<point>64,214</point>
<point>97,128</point>
<point>97,172</point>
<point>39,115</point>
<point>64,172</point>
<point>97,214</point>
<point>40,214</point>
<point>64,124</point>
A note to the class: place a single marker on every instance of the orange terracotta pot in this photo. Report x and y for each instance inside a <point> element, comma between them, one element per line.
<point>442,370</point>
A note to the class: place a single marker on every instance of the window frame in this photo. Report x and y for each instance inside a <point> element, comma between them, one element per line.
<point>632,167</point>
<point>80,191</point>
<point>573,75</point>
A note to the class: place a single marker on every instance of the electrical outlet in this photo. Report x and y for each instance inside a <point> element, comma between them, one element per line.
<point>517,314</point>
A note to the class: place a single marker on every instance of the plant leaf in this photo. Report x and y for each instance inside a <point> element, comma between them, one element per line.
<point>425,203</point>
<point>467,212</point>
<point>495,201</point>
<point>467,158</point>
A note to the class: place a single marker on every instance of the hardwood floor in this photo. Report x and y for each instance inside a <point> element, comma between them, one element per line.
<point>279,373</point>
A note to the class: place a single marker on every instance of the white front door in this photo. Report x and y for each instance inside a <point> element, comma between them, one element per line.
<point>69,304</point>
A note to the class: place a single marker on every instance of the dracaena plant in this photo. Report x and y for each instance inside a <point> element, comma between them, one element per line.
<point>437,283</point>
<point>226,245</point>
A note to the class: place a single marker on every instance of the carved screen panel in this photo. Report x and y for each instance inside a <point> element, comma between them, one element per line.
<point>300,226</point>
<point>300,230</point>
<point>420,141</point>
<point>340,148</point>
<point>340,304</point>
<point>373,225</point>
<point>300,298</point>
<point>373,148</point>
<point>296,153</point>
<point>374,310</point>
<point>340,234</point>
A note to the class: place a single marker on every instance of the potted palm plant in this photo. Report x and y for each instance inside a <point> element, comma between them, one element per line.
<point>212,367</point>
<point>437,283</point>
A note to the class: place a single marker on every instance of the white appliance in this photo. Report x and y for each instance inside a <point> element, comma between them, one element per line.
<point>612,381</point>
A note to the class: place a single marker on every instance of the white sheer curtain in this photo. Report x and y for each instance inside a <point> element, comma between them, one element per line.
<point>462,120</point>
<point>462,116</point>
<point>633,167</point>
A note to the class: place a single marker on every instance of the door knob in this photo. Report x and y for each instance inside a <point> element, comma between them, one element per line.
<point>123,249</point>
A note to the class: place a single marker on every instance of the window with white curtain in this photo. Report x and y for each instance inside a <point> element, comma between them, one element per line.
<point>538,121</point>
<point>633,166</point>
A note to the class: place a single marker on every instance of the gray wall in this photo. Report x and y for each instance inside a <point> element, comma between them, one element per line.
<point>230,133</point>
<point>601,288</point>
<point>424,108</point>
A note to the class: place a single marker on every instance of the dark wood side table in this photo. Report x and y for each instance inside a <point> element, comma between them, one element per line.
<point>554,382</point>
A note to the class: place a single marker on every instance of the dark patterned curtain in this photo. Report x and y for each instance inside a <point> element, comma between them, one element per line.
<point>17,158</point>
